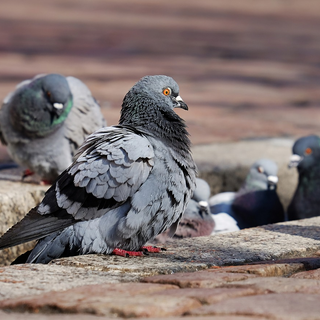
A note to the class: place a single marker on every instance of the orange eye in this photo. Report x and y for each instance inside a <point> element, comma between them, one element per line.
<point>308,151</point>
<point>166,91</point>
<point>260,169</point>
<point>48,93</point>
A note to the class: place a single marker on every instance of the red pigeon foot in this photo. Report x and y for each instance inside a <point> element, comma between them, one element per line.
<point>151,249</point>
<point>125,253</point>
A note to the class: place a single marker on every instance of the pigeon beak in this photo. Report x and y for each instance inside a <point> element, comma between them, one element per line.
<point>180,103</point>
<point>294,161</point>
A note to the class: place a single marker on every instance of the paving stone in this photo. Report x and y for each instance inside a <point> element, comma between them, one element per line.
<point>210,295</point>
<point>16,199</point>
<point>279,285</point>
<point>121,299</point>
<point>285,306</point>
<point>263,270</point>
<point>29,279</point>
<point>201,279</point>
<point>32,316</point>
<point>312,274</point>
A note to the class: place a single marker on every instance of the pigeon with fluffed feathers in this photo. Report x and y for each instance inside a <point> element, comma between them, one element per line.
<point>256,203</point>
<point>45,120</point>
<point>197,219</point>
<point>127,183</point>
<point>305,157</point>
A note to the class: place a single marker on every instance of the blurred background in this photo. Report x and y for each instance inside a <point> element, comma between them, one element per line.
<point>247,69</point>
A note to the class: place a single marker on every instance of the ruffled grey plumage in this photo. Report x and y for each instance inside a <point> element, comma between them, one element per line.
<point>45,120</point>
<point>127,184</point>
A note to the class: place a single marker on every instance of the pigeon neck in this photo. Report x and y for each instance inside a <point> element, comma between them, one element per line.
<point>161,124</point>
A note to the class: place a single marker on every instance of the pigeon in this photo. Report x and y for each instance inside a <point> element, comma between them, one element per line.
<point>305,202</point>
<point>257,202</point>
<point>45,120</point>
<point>197,219</point>
<point>127,183</point>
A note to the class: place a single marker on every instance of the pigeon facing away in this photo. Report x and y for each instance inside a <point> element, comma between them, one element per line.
<point>127,183</point>
<point>306,158</point>
<point>257,202</point>
<point>197,219</point>
<point>45,120</point>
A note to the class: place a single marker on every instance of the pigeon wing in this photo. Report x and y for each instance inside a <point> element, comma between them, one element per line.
<point>108,169</point>
<point>85,111</point>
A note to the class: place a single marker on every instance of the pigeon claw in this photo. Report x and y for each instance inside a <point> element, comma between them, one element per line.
<point>151,249</point>
<point>125,253</point>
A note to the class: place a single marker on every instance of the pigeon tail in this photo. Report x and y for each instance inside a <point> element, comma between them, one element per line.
<point>34,226</point>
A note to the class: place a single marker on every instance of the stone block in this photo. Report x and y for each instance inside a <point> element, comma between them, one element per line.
<point>284,306</point>
<point>114,300</point>
<point>16,199</point>
<point>201,279</point>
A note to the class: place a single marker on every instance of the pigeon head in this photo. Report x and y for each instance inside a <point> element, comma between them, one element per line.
<point>150,104</point>
<point>149,97</point>
<point>305,153</point>
<point>262,176</point>
<point>41,106</point>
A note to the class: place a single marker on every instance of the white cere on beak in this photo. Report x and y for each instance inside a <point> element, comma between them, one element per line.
<point>294,160</point>
<point>58,105</point>
<point>273,179</point>
<point>203,204</point>
<point>178,98</point>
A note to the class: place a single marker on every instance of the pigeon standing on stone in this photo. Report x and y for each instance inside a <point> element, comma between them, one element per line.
<point>45,120</point>
<point>257,202</point>
<point>127,183</point>
<point>197,219</point>
<point>306,158</point>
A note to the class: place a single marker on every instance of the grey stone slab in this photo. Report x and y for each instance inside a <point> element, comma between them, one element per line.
<point>16,199</point>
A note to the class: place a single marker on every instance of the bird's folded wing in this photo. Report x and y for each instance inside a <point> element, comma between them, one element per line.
<point>85,111</point>
<point>109,168</point>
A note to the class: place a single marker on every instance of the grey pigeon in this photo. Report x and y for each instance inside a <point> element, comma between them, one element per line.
<point>257,202</point>
<point>45,120</point>
<point>306,158</point>
<point>197,219</point>
<point>127,183</point>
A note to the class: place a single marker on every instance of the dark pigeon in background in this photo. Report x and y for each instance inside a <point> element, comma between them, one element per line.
<point>306,158</point>
<point>45,120</point>
<point>197,219</point>
<point>127,183</point>
<point>257,202</point>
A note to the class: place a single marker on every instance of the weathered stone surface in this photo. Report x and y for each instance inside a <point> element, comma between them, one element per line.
<point>210,295</point>
<point>201,279</point>
<point>312,274</point>
<point>26,280</point>
<point>286,306</point>
<point>32,316</point>
<point>16,199</point>
<point>279,285</point>
<point>121,299</point>
<point>264,270</point>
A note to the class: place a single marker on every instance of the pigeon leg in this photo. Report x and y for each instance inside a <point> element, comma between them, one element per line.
<point>27,173</point>
<point>125,253</point>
